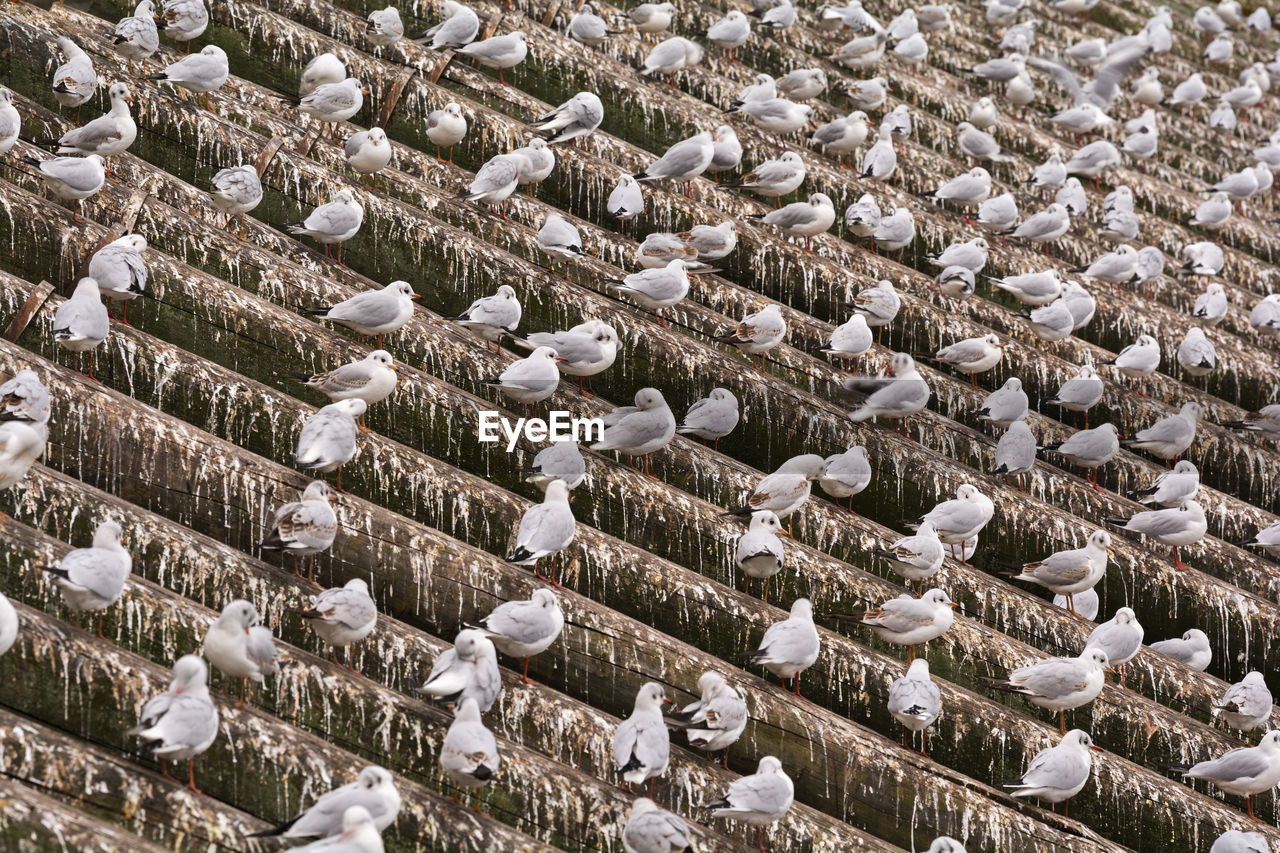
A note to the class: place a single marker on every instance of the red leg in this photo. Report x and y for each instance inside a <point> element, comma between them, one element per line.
<point>524,676</point>
<point>191,776</point>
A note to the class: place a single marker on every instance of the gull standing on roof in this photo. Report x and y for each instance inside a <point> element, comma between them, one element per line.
<point>1138,360</point>
<point>523,629</point>
<point>979,144</point>
<point>1196,353</point>
<point>1059,683</point>
<point>72,178</point>
<point>670,56</point>
<point>1247,704</point>
<point>1192,649</point>
<point>202,72</point>
<point>446,127</point>
<point>384,27</point>
<point>341,616</point>
<point>1169,437</point>
<point>805,219</point>
<point>186,724</point>
<point>371,379</point>
<point>711,418</point>
<point>899,394</point>
<point>368,151</point>
<point>333,222</point>
<point>120,272</point>
<point>717,719</point>
<point>1006,404</point>
<point>758,800</point>
<point>846,474</point>
<point>576,118</point>
<point>184,20</point>
<point>469,753</point>
<point>916,557</point>
<point>908,621</point>
<point>327,440</point>
<point>135,37</point>
<point>657,289</point>
<point>641,743</point>
<point>1072,571</point>
<point>82,322</point>
<point>1059,772</point>
<point>239,646</point>
<point>973,355</point>
<point>1176,527</point>
<point>74,81</point>
<point>849,340</point>
<point>639,430</point>
<point>915,701</point>
<point>545,530</point>
<point>374,312</point>
<point>759,331</point>
<point>469,670</point>
<point>1172,487</point>
<point>1211,306</point>
<point>1246,771</point>
<point>1090,449</point>
<point>93,578</point>
<point>236,191</point>
<point>791,646</point>
<point>306,526</point>
<point>880,161</point>
<point>500,52</point>
<point>459,28</point>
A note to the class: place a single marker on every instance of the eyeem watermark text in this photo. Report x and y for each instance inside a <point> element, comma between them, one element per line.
<point>559,426</point>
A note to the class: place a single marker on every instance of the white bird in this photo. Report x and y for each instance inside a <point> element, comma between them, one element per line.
<point>183,722</point>
<point>324,68</point>
<point>626,202</point>
<point>576,118</point>
<point>1189,91</point>
<point>306,526</point>
<point>849,340</point>
<point>106,135</point>
<point>641,429</point>
<point>791,646</point>
<point>384,27</point>
<point>1035,289</point>
<point>773,178</point>
<point>236,191</point>
<point>72,178</point>
<point>374,312</point>
<point>446,127</point>
<point>500,52</point>
<point>657,289</point>
<point>759,552</point>
<point>1246,771</point>
<point>712,242</point>
<point>1169,437</point>
<point>119,270</point>
<point>10,121</point>
<point>332,223</point>
<point>1059,772</point>
<point>1093,159</point>
<point>863,51</point>
<point>652,829</point>
<point>359,835</point>
<point>1120,638</point>
<point>717,719</point>
<point>560,238</point>
<point>74,81</point>
<point>469,670</point>
<point>238,645</point>
<point>880,161</point>
<point>1138,360</point>
<point>641,743</point>
<point>1090,449</point>
<point>916,557</point>
<point>539,159</point>
<point>545,529</point>
<point>868,94</point>
<point>1266,421</point>
<point>1072,571</point>
<point>81,323</point>
<point>972,255</point>
<point>1044,227</point>
<point>1196,353</point>
<point>999,214</point>
<point>1005,405</point>
<point>730,32</point>
<point>583,351</point>
<point>469,753</point>
<point>801,84</point>
<point>671,56</point>
<point>711,418</point>
<point>368,151</point>
<point>1172,487</point>
<point>459,27</point>
<point>496,180</point>
<point>971,188</point>
<point>1016,450</point>
<point>1265,316</point>
<point>1212,213</point>
<point>972,356</point>
<point>93,578</point>
<point>979,144</point>
<point>184,20</point>
<point>908,621</point>
<point>135,36</point>
<point>202,72</point>
<point>899,394</point>
<point>523,629</point>
<point>914,699</point>
<point>683,161</point>
<point>842,136</point>
<point>344,615</point>
<point>588,27</point>
<point>9,626</point>
<point>1192,649</point>
<point>24,425</point>
<point>757,800</point>
<point>561,460</point>
<point>1247,704</point>
<point>777,115</point>
<point>327,440</point>
<point>371,379</point>
<point>1059,683</point>
<point>895,231</point>
<point>651,18</point>
<point>846,474</point>
<point>863,216</point>
<point>1176,527</point>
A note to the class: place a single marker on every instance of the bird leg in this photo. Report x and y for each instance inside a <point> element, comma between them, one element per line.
<point>1177,560</point>
<point>191,776</point>
<point>1062,722</point>
<point>1071,605</point>
<point>760,840</point>
<point>524,676</point>
<point>100,625</point>
<point>796,680</point>
<point>765,598</point>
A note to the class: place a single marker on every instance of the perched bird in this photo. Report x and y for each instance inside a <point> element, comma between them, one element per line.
<point>657,289</point>
<point>626,202</point>
<point>757,800</point>
<point>333,223</point>
<point>652,829</point>
<point>1192,648</point>
<point>711,418</point>
<point>305,527</point>
<point>759,331</point>
<point>843,136</point>
<point>524,628</point>
<point>359,835</point>
<point>1059,772</point>
<point>82,322</point>
<point>1079,393</point>
<point>973,355</point>
<point>469,754</point>
<point>559,237</point>
<point>791,646</point>
<point>459,27</point>
<point>1246,771</point>
<point>683,161</point>
<point>539,161</point>
<point>1059,683</point>
<point>914,700</point>
<point>730,32</point>
<point>72,178</point>
<point>183,722</point>
<point>236,191</point>
<point>1169,437</point>
<point>108,134</point>
<point>1236,840</point>
<point>651,18</point>
<point>75,80</point>
<point>24,425</point>
<point>545,530</point>
<point>492,317</point>
<point>446,127</point>
<point>374,789</point>
<point>469,670</point>
<point>1073,571</point>
<point>1196,353</point>
<point>670,56</point>
<point>1006,404</point>
<point>917,557</point>
<point>895,231</point>
<point>374,312</point>
<point>999,214</point>
<point>711,242</point>
<point>10,121</point>
<point>576,118</point>
<point>786,489</point>
<point>583,351</point>
<point>1035,289</point>
<point>908,621</point>
<point>93,578</point>
<point>238,645</point>
<point>717,719</point>
<point>588,27</point>
<point>184,20</point>
<point>500,52</point>
<point>773,178</point>
<point>368,151</point>
<point>135,37</point>
<point>341,616</point>
<point>759,551</point>
<point>383,27</point>
<point>805,219</point>
<point>641,743</point>
<point>120,272</point>
<point>1090,449</point>
<point>899,394</point>
<point>1211,306</point>
<point>1265,421</point>
<point>1171,488</point>
<point>1176,527</point>
<point>846,474</point>
<point>880,161</point>
<point>324,68</point>
<point>561,460</point>
<point>202,72</point>
<point>863,216</point>
<point>1120,638</point>
<point>849,340</point>
<point>1138,360</point>
<point>371,379</point>
<point>327,440</point>
<point>1247,704</point>
<point>1016,450</point>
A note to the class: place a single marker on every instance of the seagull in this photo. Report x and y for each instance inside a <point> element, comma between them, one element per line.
<point>106,135</point>
<point>849,340</point>
<point>325,68</point>
<point>791,646</point>
<point>371,379</point>
<point>524,628</point>
<point>72,178</point>
<point>1192,649</point>
<point>75,81</point>
<point>758,800</point>
<point>576,118</point>
<point>1196,353</point>
<point>973,355</point>
<point>717,719</point>
<point>641,743</point>
<point>1168,438</point>
<point>368,151</point>
<point>374,312</point>
<point>971,255</point>
<point>447,127</point>
<point>712,242</point>
<point>1247,704</point>
<point>1051,174</point>
<point>1138,360</point>
<point>1190,91</point>
<point>759,552</point>
<point>1046,226</point>
<point>559,237</point>
<point>773,178</point>
<point>184,20</point>
<point>1172,487</point>
<point>328,437</point>
<point>1245,771</point>
<point>1059,772</point>
<point>10,121</point>
<point>1034,289</point>
<point>1176,527</point>
<point>626,202</point>
<point>776,115</point>
<point>979,144</point>
<point>907,621</point>
<point>1117,266</point>
<point>93,578</point>
<point>895,231</point>
<point>24,425</point>
<point>202,72</point>
<point>652,829</point>
<point>538,161</point>
<point>683,161</point>
<point>843,136</point>
<point>119,270</point>
<point>459,28</point>
<point>469,670</point>
<point>670,56</point>
<point>730,32</point>
<point>1016,450</point>
<point>914,700</point>
<point>846,474</point>
<point>359,834</point>
<point>469,753</point>
<point>306,526</point>
<point>899,394</point>
<point>880,161</point>
<point>1093,159</point>
<point>868,94</point>
<point>135,37</point>
<point>639,430</point>
<point>384,27</point>
<point>711,418</point>
<point>583,351</point>
<point>973,187</point>
<point>961,518</point>
<point>1005,405</point>
<point>238,646</point>
<point>657,289</point>
<point>500,52</point>
<point>589,28</point>
<point>1120,638</point>
<point>532,379</point>
<point>802,84</point>
<point>236,191</point>
<point>863,51</point>
<point>1072,196</point>
<point>561,460</point>
<point>1089,448</point>
<point>863,216</point>
<point>1266,421</point>
<point>342,615</point>
<point>1265,316</point>
<point>545,530</point>
<point>182,723</point>
<point>82,322</point>
<point>1073,571</point>
<point>762,330</point>
<point>999,214</point>
<point>805,219</point>
<point>652,18</point>
<point>916,557</point>
<point>1058,683</point>
<point>332,223</point>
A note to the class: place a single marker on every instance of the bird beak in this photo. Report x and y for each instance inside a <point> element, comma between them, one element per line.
<point>129,99</point>
<point>246,629</point>
<point>365,90</point>
<point>1095,747</point>
<point>784,531</point>
<point>666,701</point>
<point>414,296</point>
<point>953,605</point>
<point>559,358</point>
<point>393,367</point>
